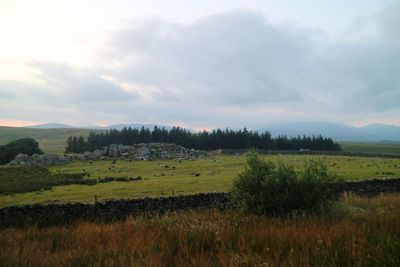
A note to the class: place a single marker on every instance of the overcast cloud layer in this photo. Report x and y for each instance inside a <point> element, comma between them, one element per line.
<point>233,68</point>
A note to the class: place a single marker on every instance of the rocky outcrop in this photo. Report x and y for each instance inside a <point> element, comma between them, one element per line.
<point>142,151</point>
<point>145,151</point>
<point>39,160</point>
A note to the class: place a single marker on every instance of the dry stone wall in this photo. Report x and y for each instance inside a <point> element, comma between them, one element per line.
<point>55,214</point>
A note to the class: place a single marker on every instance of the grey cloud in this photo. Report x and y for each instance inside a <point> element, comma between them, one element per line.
<point>6,90</point>
<point>62,82</point>
<point>230,69</point>
<point>235,58</point>
<point>239,58</point>
<point>62,92</point>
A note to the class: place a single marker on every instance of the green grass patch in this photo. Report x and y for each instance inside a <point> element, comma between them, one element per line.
<point>364,147</point>
<point>214,173</point>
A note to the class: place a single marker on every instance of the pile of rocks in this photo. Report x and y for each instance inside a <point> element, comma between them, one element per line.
<point>39,160</point>
<point>144,151</point>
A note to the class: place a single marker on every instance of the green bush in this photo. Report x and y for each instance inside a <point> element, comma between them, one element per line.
<point>28,179</point>
<point>12,149</point>
<point>268,188</point>
<point>108,179</point>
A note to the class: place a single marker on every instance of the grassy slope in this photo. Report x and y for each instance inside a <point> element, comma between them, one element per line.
<point>371,147</point>
<point>216,174</point>
<point>50,140</point>
<point>357,232</point>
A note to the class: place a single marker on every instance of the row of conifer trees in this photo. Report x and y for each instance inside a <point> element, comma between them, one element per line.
<point>216,139</point>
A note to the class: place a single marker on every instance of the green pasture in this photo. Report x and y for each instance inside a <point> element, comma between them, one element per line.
<point>365,147</point>
<point>214,173</point>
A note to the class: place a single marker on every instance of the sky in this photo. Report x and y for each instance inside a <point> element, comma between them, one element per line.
<point>199,64</point>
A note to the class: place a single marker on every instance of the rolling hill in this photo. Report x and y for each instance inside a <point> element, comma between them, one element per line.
<point>50,140</point>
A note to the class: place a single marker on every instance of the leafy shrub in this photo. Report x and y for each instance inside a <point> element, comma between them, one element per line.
<point>28,179</point>
<point>12,149</point>
<point>268,188</point>
<point>108,179</point>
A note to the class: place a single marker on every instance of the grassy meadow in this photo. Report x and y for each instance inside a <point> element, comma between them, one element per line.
<point>356,232</point>
<point>365,147</point>
<point>169,177</point>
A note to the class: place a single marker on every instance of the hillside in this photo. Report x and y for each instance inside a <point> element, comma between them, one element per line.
<point>338,132</point>
<point>50,140</point>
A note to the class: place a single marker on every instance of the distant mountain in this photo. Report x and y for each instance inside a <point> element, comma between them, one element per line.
<point>50,126</point>
<point>338,132</point>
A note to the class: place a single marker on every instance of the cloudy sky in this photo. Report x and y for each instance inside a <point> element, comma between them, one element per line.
<point>199,64</point>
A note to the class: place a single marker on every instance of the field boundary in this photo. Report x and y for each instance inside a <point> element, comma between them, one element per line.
<point>43,215</point>
<point>309,152</point>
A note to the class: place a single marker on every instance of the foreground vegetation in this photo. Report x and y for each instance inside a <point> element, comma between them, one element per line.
<point>169,177</point>
<point>356,232</point>
<point>265,187</point>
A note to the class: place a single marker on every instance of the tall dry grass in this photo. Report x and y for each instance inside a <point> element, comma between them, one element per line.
<point>357,232</point>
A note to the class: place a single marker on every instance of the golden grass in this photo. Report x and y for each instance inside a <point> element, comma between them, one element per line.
<point>357,232</point>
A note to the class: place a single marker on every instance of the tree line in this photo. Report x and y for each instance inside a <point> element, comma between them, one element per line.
<point>216,139</point>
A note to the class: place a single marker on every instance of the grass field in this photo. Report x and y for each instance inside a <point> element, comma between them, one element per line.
<point>215,173</point>
<point>361,147</point>
<point>356,232</point>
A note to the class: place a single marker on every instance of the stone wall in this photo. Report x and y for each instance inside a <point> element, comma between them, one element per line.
<point>55,214</point>
<point>305,152</point>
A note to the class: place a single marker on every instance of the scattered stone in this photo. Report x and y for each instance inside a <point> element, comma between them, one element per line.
<point>147,151</point>
<point>39,160</point>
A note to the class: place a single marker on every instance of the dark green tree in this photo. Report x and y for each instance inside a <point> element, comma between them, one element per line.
<point>25,146</point>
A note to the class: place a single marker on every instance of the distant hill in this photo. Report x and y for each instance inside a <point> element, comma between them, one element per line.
<point>50,140</point>
<point>338,132</point>
<point>52,136</point>
<point>50,126</point>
